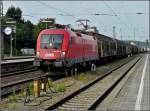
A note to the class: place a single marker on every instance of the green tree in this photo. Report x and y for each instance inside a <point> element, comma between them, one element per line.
<point>37,29</point>
<point>15,13</point>
<point>24,30</point>
<point>11,12</point>
<point>41,26</point>
<point>18,14</point>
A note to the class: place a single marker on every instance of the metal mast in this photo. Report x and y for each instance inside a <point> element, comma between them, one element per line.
<point>114,31</point>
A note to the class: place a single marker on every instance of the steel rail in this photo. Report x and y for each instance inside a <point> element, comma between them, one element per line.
<point>104,95</point>
<point>13,73</point>
<point>85,87</point>
<point>6,88</point>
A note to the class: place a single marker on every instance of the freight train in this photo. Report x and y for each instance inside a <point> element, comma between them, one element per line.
<point>71,50</point>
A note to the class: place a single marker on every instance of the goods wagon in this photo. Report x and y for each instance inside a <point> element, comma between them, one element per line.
<point>111,47</point>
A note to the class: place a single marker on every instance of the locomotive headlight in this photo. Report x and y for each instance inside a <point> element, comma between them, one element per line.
<point>37,54</point>
<point>63,54</point>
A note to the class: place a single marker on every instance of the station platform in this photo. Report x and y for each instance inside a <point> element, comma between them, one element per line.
<point>134,94</point>
<point>16,61</point>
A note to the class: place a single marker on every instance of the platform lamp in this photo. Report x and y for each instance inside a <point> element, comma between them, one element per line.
<point>11,29</point>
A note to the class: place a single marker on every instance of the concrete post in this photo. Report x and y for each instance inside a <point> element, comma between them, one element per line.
<point>2,45</point>
<point>11,39</point>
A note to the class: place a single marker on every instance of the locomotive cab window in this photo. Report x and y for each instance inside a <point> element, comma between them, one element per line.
<point>51,41</point>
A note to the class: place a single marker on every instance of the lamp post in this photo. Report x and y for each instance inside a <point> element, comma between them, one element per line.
<point>8,32</point>
<point>13,30</point>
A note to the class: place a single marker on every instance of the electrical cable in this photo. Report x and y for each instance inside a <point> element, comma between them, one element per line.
<point>117,15</point>
<point>49,6</point>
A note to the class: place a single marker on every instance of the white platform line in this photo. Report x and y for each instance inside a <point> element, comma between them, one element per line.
<point>140,92</point>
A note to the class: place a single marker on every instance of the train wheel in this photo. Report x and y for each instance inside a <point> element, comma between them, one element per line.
<point>68,72</point>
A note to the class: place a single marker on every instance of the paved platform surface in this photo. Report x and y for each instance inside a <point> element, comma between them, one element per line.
<point>135,93</point>
<point>16,61</point>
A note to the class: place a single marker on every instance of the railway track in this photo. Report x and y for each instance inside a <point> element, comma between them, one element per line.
<point>93,93</point>
<point>19,80</point>
<point>13,73</point>
<point>22,79</point>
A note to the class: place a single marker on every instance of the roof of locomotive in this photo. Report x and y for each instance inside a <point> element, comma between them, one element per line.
<point>86,34</point>
<point>53,30</point>
<point>71,32</point>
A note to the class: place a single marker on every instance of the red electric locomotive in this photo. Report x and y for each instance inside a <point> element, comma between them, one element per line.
<point>65,48</point>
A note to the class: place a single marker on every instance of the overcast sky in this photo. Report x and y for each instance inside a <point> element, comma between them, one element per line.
<point>126,20</point>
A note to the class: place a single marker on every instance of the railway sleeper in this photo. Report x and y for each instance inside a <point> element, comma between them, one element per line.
<point>74,106</point>
<point>70,109</point>
<point>75,102</point>
<point>81,102</point>
<point>87,95</point>
<point>84,99</point>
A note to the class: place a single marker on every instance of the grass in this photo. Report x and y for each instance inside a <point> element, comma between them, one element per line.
<point>13,97</point>
<point>82,77</point>
<point>60,87</point>
<point>11,105</point>
<point>50,83</point>
<point>30,89</point>
<point>21,93</point>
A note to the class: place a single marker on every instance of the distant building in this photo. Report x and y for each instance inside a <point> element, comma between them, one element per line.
<point>28,51</point>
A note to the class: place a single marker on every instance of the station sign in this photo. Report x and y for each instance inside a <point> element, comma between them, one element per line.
<point>47,20</point>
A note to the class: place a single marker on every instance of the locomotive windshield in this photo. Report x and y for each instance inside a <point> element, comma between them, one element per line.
<point>51,41</point>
